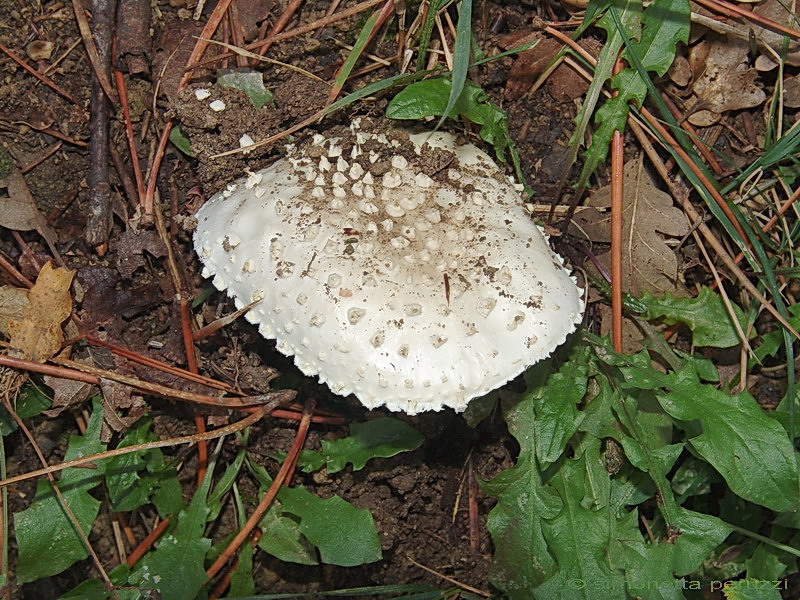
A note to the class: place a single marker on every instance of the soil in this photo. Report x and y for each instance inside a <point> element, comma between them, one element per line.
<point>419,500</point>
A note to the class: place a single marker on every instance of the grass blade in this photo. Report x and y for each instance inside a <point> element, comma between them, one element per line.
<point>461,57</point>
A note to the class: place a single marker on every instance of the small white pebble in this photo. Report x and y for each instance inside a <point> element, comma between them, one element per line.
<point>202,93</point>
<point>399,162</point>
<point>245,141</point>
<point>217,106</point>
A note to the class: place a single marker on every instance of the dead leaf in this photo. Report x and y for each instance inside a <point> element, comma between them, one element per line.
<point>131,247</point>
<point>727,83</point>
<point>649,217</point>
<point>67,393</point>
<point>18,209</point>
<point>791,92</point>
<point>563,84</point>
<point>13,303</point>
<point>38,335</point>
<point>680,73</point>
<point>777,10</point>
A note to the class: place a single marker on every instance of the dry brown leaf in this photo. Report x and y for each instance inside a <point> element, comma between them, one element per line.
<point>777,10</point>
<point>648,263</point>
<point>727,83</point>
<point>18,209</point>
<point>38,335</point>
<point>791,92</point>
<point>67,393</point>
<point>13,302</point>
<point>563,84</point>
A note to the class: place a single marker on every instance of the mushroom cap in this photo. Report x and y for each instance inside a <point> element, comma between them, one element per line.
<point>400,268</point>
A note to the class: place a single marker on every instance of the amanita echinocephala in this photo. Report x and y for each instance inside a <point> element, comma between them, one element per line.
<point>401,268</point>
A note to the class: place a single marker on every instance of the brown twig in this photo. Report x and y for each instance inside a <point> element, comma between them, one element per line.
<point>91,50</point>
<point>617,208</point>
<point>12,270</point>
<point>98,225</point>
<point>133,44</point>
<point>157,364</point>
<point>282,21</point>
<point>88,374</point>
<point>728,9</point>
<point>383,15</point>
<point>119,79</point>
<point>148,541</point>
<point>474,527</point>
<point>708,155</point>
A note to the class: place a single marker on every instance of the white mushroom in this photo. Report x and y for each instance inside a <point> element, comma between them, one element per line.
<point>440,290</point>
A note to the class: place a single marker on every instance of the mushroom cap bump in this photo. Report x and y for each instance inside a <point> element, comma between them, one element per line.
<point>400,268</point>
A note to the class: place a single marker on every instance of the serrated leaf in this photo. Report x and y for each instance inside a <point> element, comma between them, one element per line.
<point>705,316</point>
<point>181,551</point>
<point>522,560</point>
<point>750,589</point>
<point>555,400</point>
<point>580,539</point>
<point>345,535</point>
<point>47,540</point>
<point>128,487</point>
<point>665,23</point>
<point>648,569</point>
<point>383,437</point>
<point>749,449</point>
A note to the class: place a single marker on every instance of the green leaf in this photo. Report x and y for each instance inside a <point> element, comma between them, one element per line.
<point>181,551</point>
<point>430,98</point>
<point>773,341</point>
<point>522,559</point>
<point>128,487</point>
<point>242,583</point>
<point>705,315</point>
<point>751,589</point>
<point>31,401</point>
<point>697,535</point>
<point>765,564</point>
<point>283,539</point>
<point>665,23</point>
<point>555,398</point>
<point>226,482</point>
<point>94,589</point>
<point>378,438</point>
<point>580,539</point>
<point>180,140</point>
<point>749,449</point>
<point>248,81</point>
<point>345,535</point>
<point>648,569</point>
<point>47,540</point>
